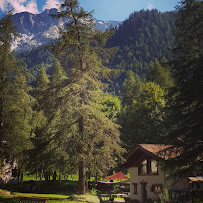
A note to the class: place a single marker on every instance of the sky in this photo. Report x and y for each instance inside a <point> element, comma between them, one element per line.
<point>118,10</point>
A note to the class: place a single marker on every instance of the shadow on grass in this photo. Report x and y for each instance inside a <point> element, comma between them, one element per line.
<point>8,200</point>
<point>59,187</point>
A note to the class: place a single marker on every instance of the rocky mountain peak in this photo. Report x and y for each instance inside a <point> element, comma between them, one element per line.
<point>38,29</point>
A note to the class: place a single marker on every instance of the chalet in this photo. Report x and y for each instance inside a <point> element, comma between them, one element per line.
<point>147,179</point>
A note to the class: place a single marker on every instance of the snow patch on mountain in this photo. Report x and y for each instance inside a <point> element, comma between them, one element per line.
<point>21,39</point>
<point>38,29</point>
<point>32,21</point>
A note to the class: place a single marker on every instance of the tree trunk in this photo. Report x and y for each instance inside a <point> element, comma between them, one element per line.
<point>40,180</point>
<point>46,177</point>
<point>81,181</point>
<point>36,176</point>
<point>54,176</point>
<point>21,180</point>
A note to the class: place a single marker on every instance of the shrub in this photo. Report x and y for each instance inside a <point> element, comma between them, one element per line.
<point>163,197</point>
<point>85,198</point>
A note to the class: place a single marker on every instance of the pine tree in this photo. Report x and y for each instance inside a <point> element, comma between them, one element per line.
<point>160,73</point>
<point>58,73</point>
<point>132,88</point>
<point>15,101</point>
<point>82,127</point>
<point>42,79</point>
<point>38,159</point>
<point>186,106</point>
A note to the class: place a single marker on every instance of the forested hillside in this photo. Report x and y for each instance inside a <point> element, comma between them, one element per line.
<point>141,38</point>
<point>38,55</point>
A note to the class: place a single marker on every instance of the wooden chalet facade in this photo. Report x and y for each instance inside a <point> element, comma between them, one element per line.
<point>147,180</point>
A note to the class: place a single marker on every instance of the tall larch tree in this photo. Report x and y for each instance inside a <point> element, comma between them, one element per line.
<point>38,158</point>
<point>83,128</point>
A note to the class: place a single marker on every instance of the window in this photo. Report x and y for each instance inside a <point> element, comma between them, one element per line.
<point>154,166</point>
<point>157,188</point>
<point>135,188</point>
<point>148,167</point>
<point>144,167</point>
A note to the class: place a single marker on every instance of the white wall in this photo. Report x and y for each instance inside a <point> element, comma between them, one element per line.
<point>150,179</point>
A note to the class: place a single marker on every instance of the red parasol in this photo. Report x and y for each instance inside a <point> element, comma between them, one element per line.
<point>116,176</point>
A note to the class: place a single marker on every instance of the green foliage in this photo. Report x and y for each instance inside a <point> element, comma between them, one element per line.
<point>42,79</point>
<point>15,101</point>
<point>142,121</point>
<point>163,198</point>
<point>153,97</point>
<point>37,56</point>
<point>186,112</point>
<point>144,36</point>
<point>85,198</point>
<point>112,106</point>
<point>58,73</point>
<point>143,118</point>
<point>79,129</point>
<point>132,88</point>
<point>93,192</point>
<point>160,73</point>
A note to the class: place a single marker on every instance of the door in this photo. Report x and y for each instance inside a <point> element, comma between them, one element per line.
<point>144,192</point>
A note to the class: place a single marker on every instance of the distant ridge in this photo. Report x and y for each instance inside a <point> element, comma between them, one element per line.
<point>38,29</point>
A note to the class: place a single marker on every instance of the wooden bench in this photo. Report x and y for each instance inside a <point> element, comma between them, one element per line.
<point>32,200</point>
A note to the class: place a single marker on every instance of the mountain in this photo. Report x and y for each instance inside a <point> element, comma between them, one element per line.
<point>38,29</point>
<point>145,35</point>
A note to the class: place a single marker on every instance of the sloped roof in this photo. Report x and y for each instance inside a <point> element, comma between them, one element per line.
<point>116,176</point>
<point>154,148</point>
<point>196,179</point>
<point>156,151</point>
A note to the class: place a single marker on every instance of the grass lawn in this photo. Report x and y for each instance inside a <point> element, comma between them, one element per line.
<point>56,192</point>
<point>6,199</point>
<point>13,197</point>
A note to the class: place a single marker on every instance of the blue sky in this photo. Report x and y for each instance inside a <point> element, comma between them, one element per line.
<point>121,9</point>
<point>103,9</point>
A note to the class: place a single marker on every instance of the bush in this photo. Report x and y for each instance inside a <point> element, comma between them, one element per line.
<point>163,197</point>
<point>85,198</point>
<point>93,192</point>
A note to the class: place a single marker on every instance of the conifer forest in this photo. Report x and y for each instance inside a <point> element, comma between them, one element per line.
<point>81,103</point>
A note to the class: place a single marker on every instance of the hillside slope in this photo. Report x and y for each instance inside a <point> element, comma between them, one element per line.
<point>144,36</point>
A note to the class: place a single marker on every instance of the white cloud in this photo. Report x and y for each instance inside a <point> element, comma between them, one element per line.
<point>149,6</point>
<point>51,4</point>
<point>20,5</point>
<point>2,5</point>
